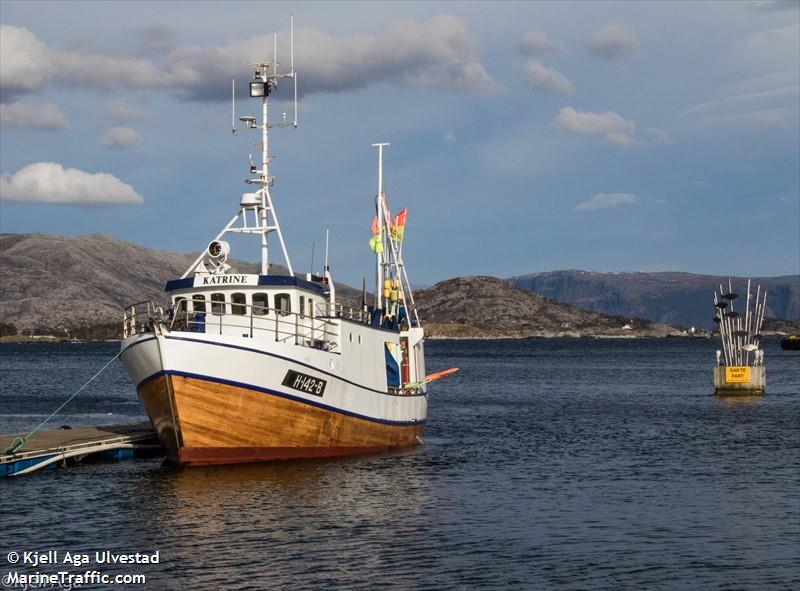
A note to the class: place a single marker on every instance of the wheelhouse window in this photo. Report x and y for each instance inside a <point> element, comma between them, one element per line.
<point>283,304</point>
<point>180,304</point>
<point>199,303</point>
<point>302,306</point>
<point>260,304</point>
<point>239,304</point>
<point>218,304</point>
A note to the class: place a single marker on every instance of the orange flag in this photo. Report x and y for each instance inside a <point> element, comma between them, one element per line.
<point>398,226</point>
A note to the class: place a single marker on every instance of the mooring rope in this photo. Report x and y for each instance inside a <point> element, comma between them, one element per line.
<point>18,442</point>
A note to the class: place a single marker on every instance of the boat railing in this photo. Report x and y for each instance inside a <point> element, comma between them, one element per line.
<point>140,317</point>
<point>397,320</point>
<point>240,319</point>
<point>328,310</point>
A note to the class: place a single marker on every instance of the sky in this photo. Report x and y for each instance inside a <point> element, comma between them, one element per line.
<point>525,136</point>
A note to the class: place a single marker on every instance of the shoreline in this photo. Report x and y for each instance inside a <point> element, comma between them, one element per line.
<point>54,340</point>
<point>15,339</point>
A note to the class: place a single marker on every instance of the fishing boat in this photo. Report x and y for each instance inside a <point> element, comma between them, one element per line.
<point>791,343</point>
<point>244,367</point>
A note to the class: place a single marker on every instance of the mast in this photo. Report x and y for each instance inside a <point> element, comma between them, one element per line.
<point>392,289</point>
<point>379,256</point>
<point>269,81</point>
<point>257,206</point>
<point>265,197</point>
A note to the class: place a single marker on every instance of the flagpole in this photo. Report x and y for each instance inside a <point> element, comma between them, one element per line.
<point>379,214</point>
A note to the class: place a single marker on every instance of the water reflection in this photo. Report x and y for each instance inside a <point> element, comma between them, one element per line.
<point>627,474</point>
<point>738,399</point>
<point>242,522</point>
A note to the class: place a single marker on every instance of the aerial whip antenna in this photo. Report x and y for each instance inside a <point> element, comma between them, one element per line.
<point>293,74</point>
<point>233,105</point>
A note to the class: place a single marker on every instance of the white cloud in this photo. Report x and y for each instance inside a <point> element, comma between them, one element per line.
<point>537,44</point>
<point>49,182</point>
<point>121,138</point>
<point>28,64</point>
<point>26,61</point>
<point>608,125</point>
<point>611,41</point>
<point>606,200</point>
<point>437,53</point>
<point>108,72</point>
<point>42,116</point>
<point>540,77</point>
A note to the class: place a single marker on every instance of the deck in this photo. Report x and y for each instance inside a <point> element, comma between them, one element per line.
<point>49,448</point>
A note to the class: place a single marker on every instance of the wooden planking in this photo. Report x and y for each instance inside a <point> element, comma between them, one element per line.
<point>155,396</point>
<point>43,441</point>
<point>206,456</point>
<point>216,415</point>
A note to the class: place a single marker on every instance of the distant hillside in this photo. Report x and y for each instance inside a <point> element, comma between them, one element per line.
<point>80,285</point>
<point>52,284</point>
<point>488,306</point>
<point>682,299</point>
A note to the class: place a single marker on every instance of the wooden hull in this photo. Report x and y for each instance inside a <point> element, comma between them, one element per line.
<point>203,422</point>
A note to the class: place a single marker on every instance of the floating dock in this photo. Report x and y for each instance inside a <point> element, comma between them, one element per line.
<point>49,448</point>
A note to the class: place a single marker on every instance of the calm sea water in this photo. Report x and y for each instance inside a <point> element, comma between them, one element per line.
<point>547,464</point>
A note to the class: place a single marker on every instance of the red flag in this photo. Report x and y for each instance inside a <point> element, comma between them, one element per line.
<point>398,225</point>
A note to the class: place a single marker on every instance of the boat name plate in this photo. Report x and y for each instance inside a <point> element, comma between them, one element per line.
<point>201,280</point>
<point>303,383</point>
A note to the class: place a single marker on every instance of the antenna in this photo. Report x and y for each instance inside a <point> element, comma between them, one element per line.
<point>313,245</point>
<point>293,74</point>
<point>294,79</point>
<point>233,105</point>
<point>275,54</point>
<point>327,235</point>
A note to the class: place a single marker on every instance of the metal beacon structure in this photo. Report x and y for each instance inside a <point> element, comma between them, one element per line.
<point>257,367</point>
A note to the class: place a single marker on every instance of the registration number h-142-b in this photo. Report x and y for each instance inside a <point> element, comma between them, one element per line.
<point>303,383</point>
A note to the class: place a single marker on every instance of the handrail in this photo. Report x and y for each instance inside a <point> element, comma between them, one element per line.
<point>307,330</point>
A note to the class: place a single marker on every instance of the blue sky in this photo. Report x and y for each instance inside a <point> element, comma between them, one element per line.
<point>525,137</point>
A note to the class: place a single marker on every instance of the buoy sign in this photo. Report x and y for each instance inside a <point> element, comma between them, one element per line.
<point>737,374</point>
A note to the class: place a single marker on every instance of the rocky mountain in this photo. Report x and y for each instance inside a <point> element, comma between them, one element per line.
<point>682,299</point>
<point>488,306</point>
<point>80,285</point>
<point>59,284</point>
